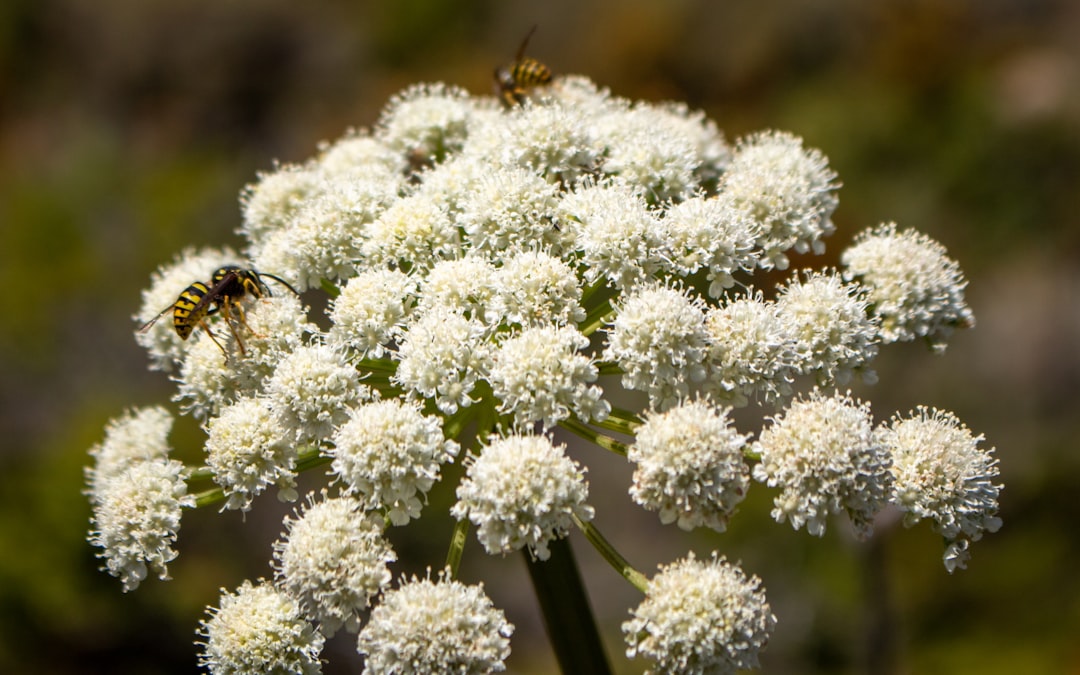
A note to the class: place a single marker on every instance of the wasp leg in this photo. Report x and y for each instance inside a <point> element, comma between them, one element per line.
<point>206,327</point>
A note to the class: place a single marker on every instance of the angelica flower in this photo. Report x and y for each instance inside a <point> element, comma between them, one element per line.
<point>522,491</point>
<point>939,472</point>
<point>442,626</point>
<point>259,629</point>
<point>388,453</point>
<point>359,155</point>
<point>139,435</point>
<point>248,450</point>
<point>786,191</point>
<point>540,375</point>
<point>414,233</point>
<point>824,456</point>
<point>511,208</point>
<point>689,466</point>
<point>834,336</point>
<point>618,237</point>
<point>553,141</point>
<point>911,284</point>
<point>427,122</point>
<point>275,328</point>
<point>441,357</point>
<point>325,235</point>
<point>271,203</point>
<point>136,519</point>
<point>701,617</point>
<point>534,287</point>
<point>312,391</point>
<point>750,351</point>
<point>698,233</point>
<point>371,311</point>
<point>333,560</point>
<point>208,379</point>
<point>466,285</point>
<point>659,340</point>
<point>650,147</point>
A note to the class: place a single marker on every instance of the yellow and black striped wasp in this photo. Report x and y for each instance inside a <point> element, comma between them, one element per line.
<point>513,81</point>
<point>228,285</point>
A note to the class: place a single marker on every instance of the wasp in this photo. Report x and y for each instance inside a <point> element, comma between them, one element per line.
<point>228,285</point>
<point>513,81</point>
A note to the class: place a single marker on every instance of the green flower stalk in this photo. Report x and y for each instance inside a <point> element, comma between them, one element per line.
<point>493,272</point>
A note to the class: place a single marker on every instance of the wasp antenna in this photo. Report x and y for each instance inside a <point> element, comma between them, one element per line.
<point>281,281</point>
<point>525,42</point>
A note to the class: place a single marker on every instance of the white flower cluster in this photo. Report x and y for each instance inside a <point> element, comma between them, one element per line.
<point>701,617</point>
<point>491,273</point>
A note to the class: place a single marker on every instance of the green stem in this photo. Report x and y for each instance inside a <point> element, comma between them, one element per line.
<point>608,368</point>
<point>567,614</point>
<point>592,324</point>
<point>575,426</point>
<point>614,558</point>
<point>621,422</point>
<point>457,546</point>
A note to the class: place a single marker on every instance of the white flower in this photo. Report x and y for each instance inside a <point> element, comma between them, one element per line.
<point>699,233</point>
<point>139,435</point>
<point>270,204</point>
<point>650,147</point>
<point>550,140</point>
<point>358,155</point>
<point>619,239</point>
<point>443,626</point>
<point>511,208</point>
<point>371,311</point>
<point>659,340</point>
<point>701,617</point>
<point>442,355</point>
<point>325,235</point>
<point>247,449</point>
<point>522,491</point>
<point>750,352</point>
<point>466,286</point>
<point>911,284</point>
<point>834,335</point>
<point>275,327</point>
<point>785,190</point>
<point>689,466</point>
<point>208,379</point>
<point>259,629</point>
<point>540,375</point>
<point>426,122</point>
<point>413,234</point>
<point>166,348</point>
<point>939,472</point>
<point>388,453</point>
<point>823,455</point>
<point>534,287</point>
<point>333,560</point>
<point>312,391</point>
<point>136,518</point>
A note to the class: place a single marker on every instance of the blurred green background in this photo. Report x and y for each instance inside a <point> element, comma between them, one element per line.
<point>128,128</point>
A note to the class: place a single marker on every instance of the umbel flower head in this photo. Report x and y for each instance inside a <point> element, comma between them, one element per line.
<point>824,456</point>
<point>522,491</point>
<point>259,629</point>
<point>496,272</point>
<point>940,473</point>
<point>700,617</point>
<point>440,626</point>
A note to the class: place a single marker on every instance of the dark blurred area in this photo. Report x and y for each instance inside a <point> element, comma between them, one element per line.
<point>127,130</point>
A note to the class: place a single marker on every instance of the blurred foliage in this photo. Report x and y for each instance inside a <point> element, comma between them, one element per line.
<point>127,130</point>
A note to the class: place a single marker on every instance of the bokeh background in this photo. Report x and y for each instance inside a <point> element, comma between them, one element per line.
<point>128,128</point>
